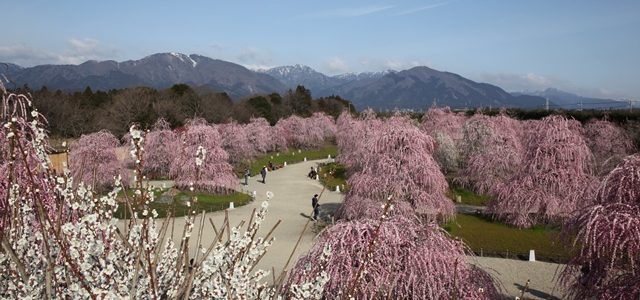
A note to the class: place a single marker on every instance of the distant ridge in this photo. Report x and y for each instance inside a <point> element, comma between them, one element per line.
<point>159,70</point>
<point>566,100</point>
<point>415,88</point>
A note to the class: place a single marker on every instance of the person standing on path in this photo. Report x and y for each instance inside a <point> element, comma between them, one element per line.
<point>263,172</point>
<point>315,205</point>
<point>247,174</point>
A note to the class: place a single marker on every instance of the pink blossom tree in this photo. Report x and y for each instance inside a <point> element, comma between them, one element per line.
<point>397,162</point>
<point>406,261</point>
<point>235,142</point>
<point>607,235</point>
<point>609,144</point>
<point>259,135</point>
<point>301,133</point>
<point>24,162</point>
<point>278,136</point>
<point>351,134</point>
<point>492,151</point>
<point>445,121</point>
<point>553,180</point>
<point>201,162</point>
<point>93,160</point>
<point>161,145</point>
<point>446,153</point>
<point>321,121</point>
<point>445,127</point>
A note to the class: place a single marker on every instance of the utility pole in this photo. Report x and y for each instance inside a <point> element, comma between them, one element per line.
<point>546,104</point>
<point>580,105</point>
<point>630,105</point>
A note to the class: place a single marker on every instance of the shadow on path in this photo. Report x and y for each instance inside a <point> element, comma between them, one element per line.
<point>537,293</point>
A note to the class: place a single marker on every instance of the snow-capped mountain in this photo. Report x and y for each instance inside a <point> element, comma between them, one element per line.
<point>411,89</point>
<point>363,75</point>
<point>159,70</point>
<point>292,76</point>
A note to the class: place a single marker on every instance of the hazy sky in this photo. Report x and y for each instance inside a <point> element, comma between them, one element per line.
<point>590,47</point>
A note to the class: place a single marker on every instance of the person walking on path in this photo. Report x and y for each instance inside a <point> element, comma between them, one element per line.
<point>263,172</point>
<point>315,205</point>
<point>247,174</point>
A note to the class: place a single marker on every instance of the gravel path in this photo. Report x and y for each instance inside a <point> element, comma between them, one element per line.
<point>292,205</point>
<point>512,275</point>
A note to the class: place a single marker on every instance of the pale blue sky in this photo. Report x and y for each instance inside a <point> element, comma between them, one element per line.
<point>590,47</point>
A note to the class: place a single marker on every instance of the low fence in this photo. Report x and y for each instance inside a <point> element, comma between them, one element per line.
<point>558,259</point>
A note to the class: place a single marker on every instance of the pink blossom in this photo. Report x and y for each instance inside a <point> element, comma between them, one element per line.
<point>407,262</point>
<point>259,135</point>
<point>93,160</point>
<point>607,235</point>
<point>492,152</point>
<point>397,162</point>
<point>235,140</point>
<point>216,174</point>
<point>161,145</point>
<point>609,144</point>
<point>554,179</point>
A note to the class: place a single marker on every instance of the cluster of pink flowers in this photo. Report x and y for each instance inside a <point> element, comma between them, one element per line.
<point>214,174</point>
<point>555,177</point>
<point>393,259</point>
<point>303,133</point>
<point>395,159</point>
<point>236,141</point>
<point>491,152</point>
<point>608,143</point>
<point>160,146</point>
<point>538,171</point>
<point>93,160</point>
<point>607,235</point>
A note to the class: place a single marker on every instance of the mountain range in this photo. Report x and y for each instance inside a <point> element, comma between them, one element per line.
<point>566,100</point>
<point>160,70</point>
<point>415,88</point>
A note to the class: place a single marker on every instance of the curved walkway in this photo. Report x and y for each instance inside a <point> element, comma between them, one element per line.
<point>291,205</point>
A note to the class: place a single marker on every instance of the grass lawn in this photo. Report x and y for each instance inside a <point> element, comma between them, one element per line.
<point>205,202</point>
<point>291,156</point>
<point>333,174</point>
<point>497,239</point>
<point>468,196</point>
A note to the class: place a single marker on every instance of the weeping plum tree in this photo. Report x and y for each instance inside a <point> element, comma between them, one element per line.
<point>93,160</point>
<point>492,152</point>
<point>24,162</point>
<point>259,135</point>
<point>406,261</point>
<point>445,121</point>
<point>201,162</point>
<point>609,144</point>
<point>554,179</point>
<point>300,132</point>
<point>235,141</point>
<point>607,235</point>
<point>161,145</point>
<point>397,162</point>
<point>278,137</point>
<point>325,123</point>
<point>446,153</point>
<point>445,127</point>
<point>351,134</point>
